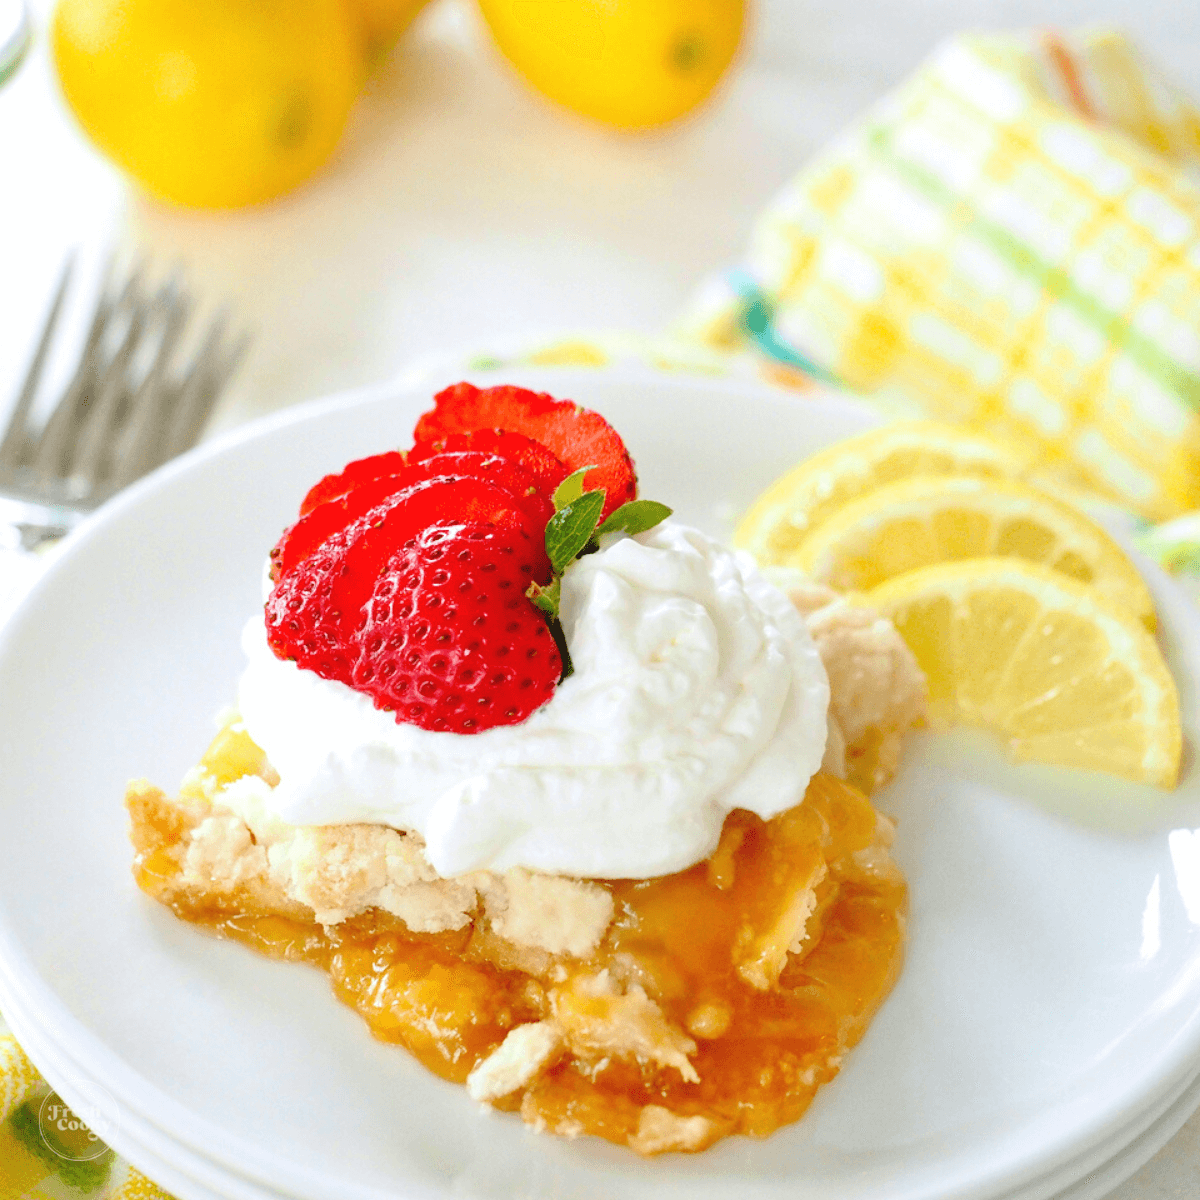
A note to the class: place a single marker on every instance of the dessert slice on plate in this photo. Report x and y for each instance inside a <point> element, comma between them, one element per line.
<point>554,788</point>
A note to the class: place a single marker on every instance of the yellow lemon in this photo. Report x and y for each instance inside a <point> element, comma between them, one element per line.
<point>798,502</point>
<point>628,63</point>
<point>212,103</point>
<point>935,518</point>
<point>1047,662</point>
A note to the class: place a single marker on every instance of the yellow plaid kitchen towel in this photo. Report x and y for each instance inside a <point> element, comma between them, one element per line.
<point>41,1161</point>
<point>1010,241</point>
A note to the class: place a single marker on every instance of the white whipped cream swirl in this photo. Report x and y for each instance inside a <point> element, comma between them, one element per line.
<point>697,689</point>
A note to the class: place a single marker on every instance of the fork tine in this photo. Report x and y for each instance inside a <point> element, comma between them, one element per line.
<point>99,424</point>
<point>213,388</point>
<point>47,456</point>
<point>207,376</point>
<point>125,410</point>
<point>148,416</point>
<point>16,439</point>
<point>87,445</point>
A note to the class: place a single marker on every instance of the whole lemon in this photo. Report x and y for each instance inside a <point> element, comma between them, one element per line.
<point>628,63</point>
<point>210,103</point>
<point>383,21</point>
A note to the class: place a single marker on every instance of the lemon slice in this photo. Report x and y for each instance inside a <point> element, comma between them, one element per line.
<point>1048,663</point>
<point>798,502</point>
<point>931,519</point>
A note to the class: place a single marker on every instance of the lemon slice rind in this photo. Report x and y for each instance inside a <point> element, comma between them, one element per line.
<point>798,502</point>
<point>925,519</point>
<point>994,635</point>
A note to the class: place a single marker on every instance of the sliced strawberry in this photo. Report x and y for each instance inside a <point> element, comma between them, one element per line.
<point>326,519</point>
<point>503,472</point>
<point>450,642</point>
<point>321,523</point>
<point>578,436</point>
<point>304,613</point>
<point>547,468</point>
<point>316,606</point>
<point>351,476</point>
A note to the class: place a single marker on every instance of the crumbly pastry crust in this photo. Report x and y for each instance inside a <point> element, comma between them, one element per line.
<point>206,863</point>
<point>586,1006</point>
<point>876,688</point>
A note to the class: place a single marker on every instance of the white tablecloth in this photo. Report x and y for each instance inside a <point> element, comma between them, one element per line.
<point>462,211</point>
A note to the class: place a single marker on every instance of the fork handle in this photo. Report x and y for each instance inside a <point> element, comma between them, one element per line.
<point>28,525</point>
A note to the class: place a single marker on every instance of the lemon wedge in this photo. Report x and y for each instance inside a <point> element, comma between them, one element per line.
<point>1048,663</point>
<point>798,502</point>
<point>931,519</point>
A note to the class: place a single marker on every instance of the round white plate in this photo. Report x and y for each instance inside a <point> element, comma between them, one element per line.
<point>1051,996</point>
<point>192,1176</point>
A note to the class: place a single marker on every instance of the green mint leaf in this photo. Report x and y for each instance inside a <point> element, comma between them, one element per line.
<point>546,598</point>
<point>635,517</point>
<point>571,528</point>
<point>570,489</point>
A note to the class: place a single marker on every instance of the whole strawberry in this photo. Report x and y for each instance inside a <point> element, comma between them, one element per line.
<point>450,641</point>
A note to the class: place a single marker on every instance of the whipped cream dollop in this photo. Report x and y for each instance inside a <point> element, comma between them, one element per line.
<point>697,689</point>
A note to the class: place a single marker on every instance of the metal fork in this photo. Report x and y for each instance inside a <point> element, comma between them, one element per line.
<point>127,409</point>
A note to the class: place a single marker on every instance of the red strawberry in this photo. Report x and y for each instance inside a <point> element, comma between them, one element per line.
<point>321,523</point>
<point>546,467</point>
<point>503,472</point>
<point>450,641</point>
<point>326,519</point>
<point>316,606</point>
<point>578,436</point>
<point>304,613</point>
<point>351,476</point>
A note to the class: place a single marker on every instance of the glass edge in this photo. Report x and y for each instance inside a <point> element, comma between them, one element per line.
<point>13,51</point>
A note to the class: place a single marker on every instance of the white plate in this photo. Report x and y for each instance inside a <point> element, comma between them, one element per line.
<point>1051,996</point>
<point>191,1176</point>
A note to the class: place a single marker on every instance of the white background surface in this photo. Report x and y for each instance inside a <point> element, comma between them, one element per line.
<point>461,210</point>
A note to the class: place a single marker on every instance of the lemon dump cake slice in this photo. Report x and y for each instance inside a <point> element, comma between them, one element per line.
<point>565,798</point>
<point>662,1013</point>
